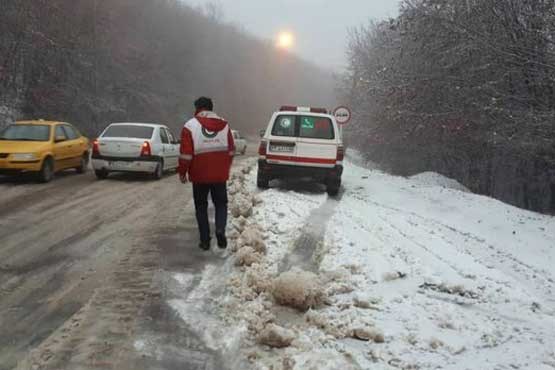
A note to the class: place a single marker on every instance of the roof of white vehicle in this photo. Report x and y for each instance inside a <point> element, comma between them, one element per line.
<point>296,113</point>
<point>137,124</point>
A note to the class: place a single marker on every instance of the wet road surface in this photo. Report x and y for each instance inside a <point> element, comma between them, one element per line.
<point>82,266</point>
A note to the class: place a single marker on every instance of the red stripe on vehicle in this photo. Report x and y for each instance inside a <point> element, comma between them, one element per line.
<point>300,159</point>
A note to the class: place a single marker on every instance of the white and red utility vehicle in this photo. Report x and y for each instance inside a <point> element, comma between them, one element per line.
<point>302,142</point>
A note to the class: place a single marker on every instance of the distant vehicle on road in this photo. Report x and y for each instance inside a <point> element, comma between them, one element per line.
<point>302,142</point>
<point>240,142</point>
<point>135,147</point>
<point>42,147</point>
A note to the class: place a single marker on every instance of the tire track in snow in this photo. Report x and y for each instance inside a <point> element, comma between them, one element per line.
<point>311,241</point>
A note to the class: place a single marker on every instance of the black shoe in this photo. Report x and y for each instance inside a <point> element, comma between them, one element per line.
<point>222,241</point>
<point>204,245</point>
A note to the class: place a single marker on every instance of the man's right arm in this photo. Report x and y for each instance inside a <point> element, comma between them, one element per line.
<point>187,151</point>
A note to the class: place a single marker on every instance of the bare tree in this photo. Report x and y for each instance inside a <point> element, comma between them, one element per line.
<point>462,88</point>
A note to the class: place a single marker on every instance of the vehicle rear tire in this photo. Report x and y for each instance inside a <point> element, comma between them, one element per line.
<point>101,174</point>
<point>46,173</point>
<point>262,182</point>
<point>159,171</point>
<point>84,166</point>
<point>332,187</point>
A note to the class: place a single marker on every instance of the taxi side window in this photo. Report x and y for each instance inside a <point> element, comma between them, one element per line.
<point>71,134</point>
<point>60,132</point>
<point>285,125</point>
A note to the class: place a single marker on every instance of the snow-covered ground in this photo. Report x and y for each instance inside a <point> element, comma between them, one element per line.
<point>417,274</point>
<point>463,281</point>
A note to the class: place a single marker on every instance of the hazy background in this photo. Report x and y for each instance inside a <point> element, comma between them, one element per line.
<point>320,26</point>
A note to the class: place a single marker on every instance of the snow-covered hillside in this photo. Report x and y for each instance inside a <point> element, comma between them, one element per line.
<point>461,281</point>
<point>413,275</point>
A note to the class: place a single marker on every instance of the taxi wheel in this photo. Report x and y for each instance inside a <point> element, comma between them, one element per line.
<point>159,171</point>
<point>83,166</point>
<point>46,173</point>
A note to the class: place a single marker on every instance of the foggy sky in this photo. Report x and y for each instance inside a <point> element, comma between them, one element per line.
<point>320,26</point>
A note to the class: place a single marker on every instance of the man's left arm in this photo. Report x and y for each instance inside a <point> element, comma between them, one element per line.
<point>231,144</point>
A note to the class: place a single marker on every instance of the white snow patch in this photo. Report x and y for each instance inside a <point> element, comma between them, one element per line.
<point>436,179</point>
<point>469,272</point>
<point>194,309</point>
<point>443,277</point>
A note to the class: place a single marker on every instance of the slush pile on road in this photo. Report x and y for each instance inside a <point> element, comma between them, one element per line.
<point>395,273</point>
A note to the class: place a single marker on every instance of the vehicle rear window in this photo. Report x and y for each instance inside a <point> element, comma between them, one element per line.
<point>26,133</point>
<point>316,128</point>
<point>284,126</point>
<point>131,131</point>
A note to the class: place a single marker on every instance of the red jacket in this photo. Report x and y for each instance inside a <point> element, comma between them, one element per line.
<point>207,149</point>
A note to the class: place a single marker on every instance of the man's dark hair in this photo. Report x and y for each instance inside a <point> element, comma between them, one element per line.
<point>204,103</point>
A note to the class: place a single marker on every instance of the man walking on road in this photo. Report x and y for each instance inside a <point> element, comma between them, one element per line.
<point>207,150</point>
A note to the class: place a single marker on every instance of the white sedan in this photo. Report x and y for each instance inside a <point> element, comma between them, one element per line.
<point>135,147</point>
<point>240,142</point>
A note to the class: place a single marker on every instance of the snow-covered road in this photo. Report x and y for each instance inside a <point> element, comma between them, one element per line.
<point>450,279</point>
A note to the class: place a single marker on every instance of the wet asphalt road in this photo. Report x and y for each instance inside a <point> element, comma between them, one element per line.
<point>81,273</point>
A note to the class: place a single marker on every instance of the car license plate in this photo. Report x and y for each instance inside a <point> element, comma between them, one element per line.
<point>120,164</point>
<point>282,148</point>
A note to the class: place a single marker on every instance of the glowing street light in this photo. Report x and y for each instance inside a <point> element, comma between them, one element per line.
<point>285,40</point>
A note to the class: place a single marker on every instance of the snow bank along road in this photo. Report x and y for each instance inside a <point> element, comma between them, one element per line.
<point>394,274</point>
<point>81,265</point>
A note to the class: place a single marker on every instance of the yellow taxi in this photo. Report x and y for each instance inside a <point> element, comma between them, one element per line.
<point>42,147</point>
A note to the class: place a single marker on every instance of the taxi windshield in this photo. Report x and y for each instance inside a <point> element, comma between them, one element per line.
<point>26,133</point>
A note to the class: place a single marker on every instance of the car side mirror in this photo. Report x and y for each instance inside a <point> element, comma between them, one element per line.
<point>59,139</point>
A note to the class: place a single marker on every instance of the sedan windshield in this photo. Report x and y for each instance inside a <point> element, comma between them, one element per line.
<point>26,133</point>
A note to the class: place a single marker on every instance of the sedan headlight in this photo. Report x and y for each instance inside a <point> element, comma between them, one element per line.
<point>24,157</point>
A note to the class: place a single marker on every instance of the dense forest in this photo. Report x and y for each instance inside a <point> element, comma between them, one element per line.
<point>92,62</point>
<point>464,88</point>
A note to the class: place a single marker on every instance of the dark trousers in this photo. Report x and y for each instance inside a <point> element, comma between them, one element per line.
<point>219,198</point>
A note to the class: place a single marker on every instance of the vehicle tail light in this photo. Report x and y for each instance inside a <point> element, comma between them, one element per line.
<point>262,148</point>
<point>146,151</point>
<point>288,108</point>
<point>292,108</point>
<point>95,148</point>
<point>319,110</point>
<point>340,153</point>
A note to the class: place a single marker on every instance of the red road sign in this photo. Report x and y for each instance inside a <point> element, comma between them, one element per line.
<point>342,115</point>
